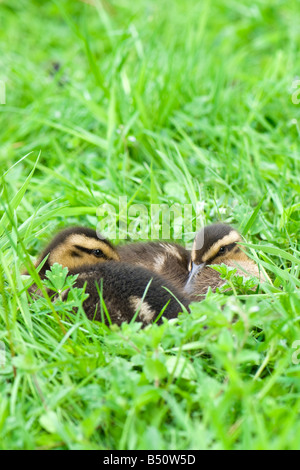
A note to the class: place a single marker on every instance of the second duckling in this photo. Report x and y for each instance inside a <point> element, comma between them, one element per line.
<point>126,289</point>
<point>189,270</point>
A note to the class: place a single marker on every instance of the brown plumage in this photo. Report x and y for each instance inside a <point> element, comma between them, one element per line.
<point>123,286</point>
<point>127,289</point>
<point>169,260</point>
<point>188,270</point>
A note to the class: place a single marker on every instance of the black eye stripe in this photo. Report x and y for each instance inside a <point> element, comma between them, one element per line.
<point>226,248</point>
<point>230,246</point>
<point>222,250</point>
<point>91,251</point>
<point>83,249</point>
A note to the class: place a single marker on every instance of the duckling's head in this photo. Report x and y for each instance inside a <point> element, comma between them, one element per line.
<point>77,246</point>
<point>216,244</point>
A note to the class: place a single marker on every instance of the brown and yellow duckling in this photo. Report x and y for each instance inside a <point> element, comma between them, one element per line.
<point>188,270</point>
<point>75,247</point>
<point>217,244</point>
<point>123,286</point>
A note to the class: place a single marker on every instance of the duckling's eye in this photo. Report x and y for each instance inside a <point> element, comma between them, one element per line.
<point>97,253</point>
<point>221,250</point>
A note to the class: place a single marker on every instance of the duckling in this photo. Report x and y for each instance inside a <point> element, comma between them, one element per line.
<point>77,246</point>
<point>188,270</point>
<point>123,286</point>
<point>217,244</point>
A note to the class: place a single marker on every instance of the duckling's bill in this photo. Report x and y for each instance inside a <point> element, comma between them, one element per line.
<point>195,270</point>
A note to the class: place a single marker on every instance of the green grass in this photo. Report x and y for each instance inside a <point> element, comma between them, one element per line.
<point>163,102</point>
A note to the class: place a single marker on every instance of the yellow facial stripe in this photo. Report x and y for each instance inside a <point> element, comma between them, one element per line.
<point>62,253</point>
<point>92,244</point>
<point>232,237</point>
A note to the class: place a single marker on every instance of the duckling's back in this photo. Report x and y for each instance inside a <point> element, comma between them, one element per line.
<point>124,292</point>
<point>169,260</point>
